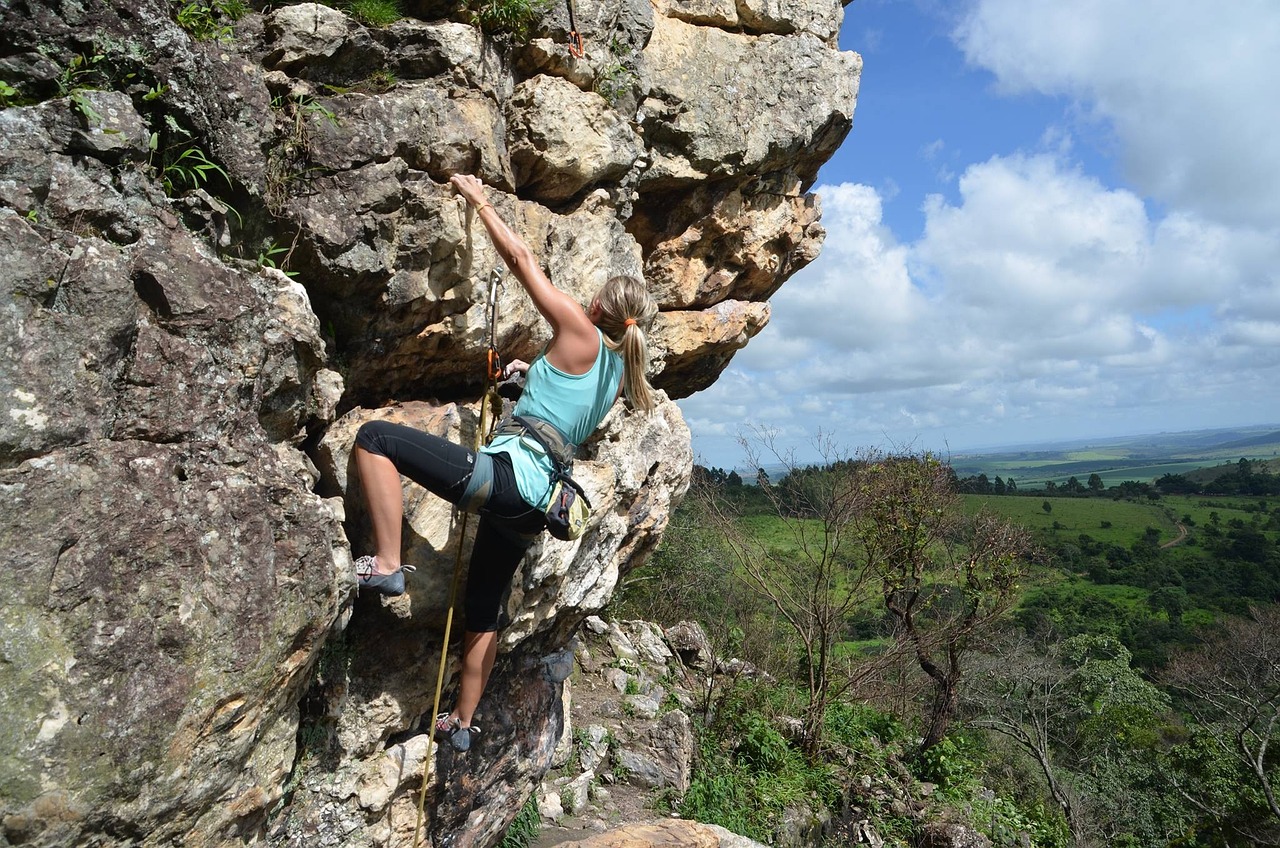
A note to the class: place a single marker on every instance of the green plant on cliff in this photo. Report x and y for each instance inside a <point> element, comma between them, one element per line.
<point>374,12</point>
<point>274,255</point>
<point>615,77</point>
<point>9,95</point>
<point>183,164</point>
<point>84,72</point>
<point>210,21</point>
<point>289,159</point>
<point>507,16</point>
<point>377,13</point>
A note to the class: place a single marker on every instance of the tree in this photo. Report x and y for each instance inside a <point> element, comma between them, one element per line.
<point>1087,720</point>
<point>1172,600</point>
<point>1095,484</point>
<point>809,577</point>
<point>945,578</point>
<point>1232,683</point>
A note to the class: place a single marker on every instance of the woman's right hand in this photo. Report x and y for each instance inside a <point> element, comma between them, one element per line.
<point>515,366</point>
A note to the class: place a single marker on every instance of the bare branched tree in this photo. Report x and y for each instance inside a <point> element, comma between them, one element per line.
<point>1028,695</point>
<point>809,577</point>
<point>945,578</point>
<point>874,529</point>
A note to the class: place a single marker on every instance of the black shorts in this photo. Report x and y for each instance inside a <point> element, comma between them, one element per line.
<point>479,482</point>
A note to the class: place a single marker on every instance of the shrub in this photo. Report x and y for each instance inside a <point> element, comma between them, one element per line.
<point>507,16</point>
<point>524,828</point>
<point>746,780</point>
<point>210,21</point>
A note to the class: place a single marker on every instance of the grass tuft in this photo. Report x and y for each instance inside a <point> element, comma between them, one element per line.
<point>378,13</point>
<point>507,16</point>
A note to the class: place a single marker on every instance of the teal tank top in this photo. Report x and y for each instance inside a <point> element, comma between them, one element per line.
<point>574,403</point>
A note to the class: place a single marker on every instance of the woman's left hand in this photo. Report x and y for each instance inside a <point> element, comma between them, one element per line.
<point>470,188</point>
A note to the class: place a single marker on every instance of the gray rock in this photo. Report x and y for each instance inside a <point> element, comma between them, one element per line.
<point>661,755</point>
<point>690,643</point>
<point>563,140</point>
<point>952,835</point>
<point>649,645</point>
<point>640,706</point>
<point>317,42</point>
<point>594,748</point>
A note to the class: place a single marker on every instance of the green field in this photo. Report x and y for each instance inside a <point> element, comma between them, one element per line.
<point>1073,516</point>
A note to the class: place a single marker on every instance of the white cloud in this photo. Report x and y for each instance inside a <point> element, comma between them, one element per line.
<point>1040,302</point>
<point>1024,301</point>
<point>1187,88</point>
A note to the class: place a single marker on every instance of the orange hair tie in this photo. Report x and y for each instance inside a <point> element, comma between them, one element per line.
<point>630,322</point>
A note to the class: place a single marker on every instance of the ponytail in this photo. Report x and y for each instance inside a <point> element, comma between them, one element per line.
<point>627,311</point>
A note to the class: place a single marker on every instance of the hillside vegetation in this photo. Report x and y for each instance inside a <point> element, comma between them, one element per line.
<point>1111,678</point>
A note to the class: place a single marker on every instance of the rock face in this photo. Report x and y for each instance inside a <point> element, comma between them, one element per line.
<point>182,658</point>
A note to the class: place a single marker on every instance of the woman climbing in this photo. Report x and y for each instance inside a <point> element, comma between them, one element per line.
<point>594,356</point>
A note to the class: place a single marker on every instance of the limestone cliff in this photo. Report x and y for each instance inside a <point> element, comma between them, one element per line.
<point>182,659</point>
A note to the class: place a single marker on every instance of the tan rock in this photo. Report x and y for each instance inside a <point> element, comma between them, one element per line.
<point>716,13</point>
<point>722,104</point>
<point>562,139</point>
<point>817,17</point>
<point>693,347</point>
<point>744,247</point>
<point>428,128</point>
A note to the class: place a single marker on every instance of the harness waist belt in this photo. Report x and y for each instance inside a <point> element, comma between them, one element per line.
<point>545,433</point>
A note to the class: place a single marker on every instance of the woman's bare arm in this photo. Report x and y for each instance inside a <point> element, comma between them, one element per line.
<point>574,343</point>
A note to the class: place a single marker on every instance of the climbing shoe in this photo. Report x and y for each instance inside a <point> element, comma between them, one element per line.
<point>461,738</point>
<point>445,724</point>
<point>385,584</point>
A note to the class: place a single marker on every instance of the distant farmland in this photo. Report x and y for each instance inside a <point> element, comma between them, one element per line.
<point>1142,458</point>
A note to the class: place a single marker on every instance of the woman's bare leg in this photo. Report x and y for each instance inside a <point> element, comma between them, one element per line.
<point>385,499</point>
<point>478,653</point>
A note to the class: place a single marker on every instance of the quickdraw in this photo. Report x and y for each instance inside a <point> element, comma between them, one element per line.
<point>494,372</point>
<point>577,47</point>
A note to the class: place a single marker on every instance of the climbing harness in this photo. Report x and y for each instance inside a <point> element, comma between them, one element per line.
<point>488,420</point>
<point>577,47</point>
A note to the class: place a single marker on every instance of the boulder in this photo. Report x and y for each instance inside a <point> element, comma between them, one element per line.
<point>952,835</point>
<point>722,104</point>
<point>690,643</point>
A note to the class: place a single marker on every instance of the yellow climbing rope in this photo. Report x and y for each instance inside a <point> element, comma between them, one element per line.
<point>484,429</point>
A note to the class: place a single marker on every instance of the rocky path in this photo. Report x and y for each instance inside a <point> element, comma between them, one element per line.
<point>629,741</point>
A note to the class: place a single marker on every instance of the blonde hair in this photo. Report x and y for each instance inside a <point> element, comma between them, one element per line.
<point>627,311</point>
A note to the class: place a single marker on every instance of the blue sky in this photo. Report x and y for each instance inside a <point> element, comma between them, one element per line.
<point>1052,219</point>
